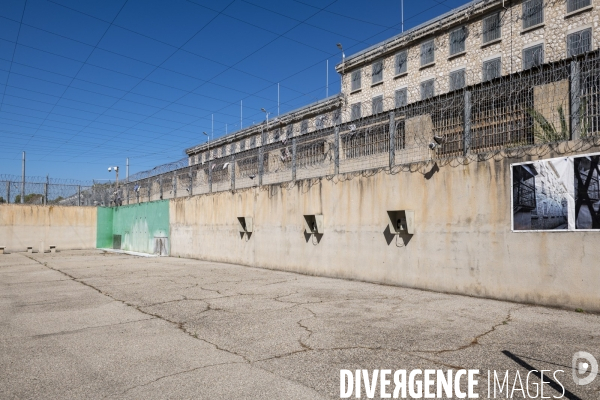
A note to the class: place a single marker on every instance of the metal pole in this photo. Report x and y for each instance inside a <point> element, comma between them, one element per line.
<point>232,166</point>
<point>127,170</point>
<point>79,195</point>
<point>327,80</point>
<point>23,180</point>
<point>241,112</point>
<point>212,126</point>
<point>467,119</point>
<point>336,149</point>
<point>575,83</point>
<point>402,13</point>
<point>191,174</point>
<point>261,156</point>
<point>8,192</point>
<point>277,99</point>
<point>392,129</point>
<point>294,159</point>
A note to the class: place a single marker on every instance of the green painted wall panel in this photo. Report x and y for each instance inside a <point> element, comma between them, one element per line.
<point>104,227</point>
<point>139,224</point>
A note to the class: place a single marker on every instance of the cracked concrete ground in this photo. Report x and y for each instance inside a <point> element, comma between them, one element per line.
<point>88,324</point>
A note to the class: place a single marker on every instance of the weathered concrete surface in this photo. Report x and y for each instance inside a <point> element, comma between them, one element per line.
<point>92,325</point>
<point>23,226</point>
<point>463,241</point>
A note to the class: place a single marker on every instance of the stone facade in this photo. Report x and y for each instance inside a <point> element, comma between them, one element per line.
<point>551,34</point>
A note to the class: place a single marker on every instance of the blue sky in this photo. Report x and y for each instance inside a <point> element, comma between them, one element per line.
<point>85,84</point>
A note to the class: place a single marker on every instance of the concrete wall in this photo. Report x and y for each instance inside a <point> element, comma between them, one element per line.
<point>64,227</point>
<point>463,241</point>
<point>138,225</point>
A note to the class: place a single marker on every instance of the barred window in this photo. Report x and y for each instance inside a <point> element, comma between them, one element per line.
<point>533,13</point>
<point>311,153</point>
<point>492,69</point>
<point>377,105</point>
<point>355,112</point>
<point>377,72</point>
<point>427,53</point>
<point>427,89</point>
<point>579,42</point>
<point>252,142</point>
<point>319,121</point>
<point>401,97</point>
<point>457,79</point>
<point>355,80</point>
<point>491,28</point>
<point>401,62</point>
<point>303,127</point>
<point>574,5</point>
<point>533,56</point>
<point>457,41</point>
<point>242,144</point>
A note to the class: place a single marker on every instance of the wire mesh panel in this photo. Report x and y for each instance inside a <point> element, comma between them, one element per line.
<point>314,154</point>
<point>221,178</point>
<point>590,96</point>
<point>247,168</point>
<point>278,156</point>
<point>365,144</point>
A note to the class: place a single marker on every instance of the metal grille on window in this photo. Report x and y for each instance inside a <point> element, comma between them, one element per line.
<point>427,89</point>
<point>533,56</point>
<point>377,105</point>
<point>457,41</point>
<point>242,144</point>
<point>491,28</point>
<point>355,80</point>
<point>401,97</point>
<point>303,127</point>
<point>401,62</point>
<point>355,111</point>
<point>574,5</point>
<point>457,79</point>
<point>377,72</point>
<point>533,13</point>
<point>492,69</point>
<point>252,142</point>
<point>427,53</point>
<point>579,42</point>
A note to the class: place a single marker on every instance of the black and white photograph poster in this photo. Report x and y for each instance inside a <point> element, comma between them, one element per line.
<point>587,192</point>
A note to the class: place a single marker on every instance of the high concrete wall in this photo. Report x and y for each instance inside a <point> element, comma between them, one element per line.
<point>137,224</point>
<point>22,226</point>
<point>463,241</point>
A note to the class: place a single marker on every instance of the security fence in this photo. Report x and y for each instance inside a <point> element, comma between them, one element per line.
<point>528,112</point>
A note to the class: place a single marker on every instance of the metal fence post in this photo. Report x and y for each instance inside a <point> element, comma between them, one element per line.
<point>45,194</point>
<point>392,129</point>
<point>8,192</point>
<point>127,192</point>
<point>575,89</point>
<point>160,180</point>
<point>467,124</point>
<point>210,175</point>
<point>293,159</point>
<point>79,195</point>
<point>336,150</point>
<point>149,188</point>
<point>191,176</point>
<point>232,169</point>
<point>174,184</point>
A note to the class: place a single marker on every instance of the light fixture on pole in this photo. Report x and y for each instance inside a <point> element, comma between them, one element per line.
<point>266,112</point>
<point>116,194</point>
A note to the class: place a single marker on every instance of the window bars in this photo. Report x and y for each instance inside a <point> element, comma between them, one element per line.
<point>533,56</point>
<point>457,80</point>
<point>427,89</point>
<point>574,5</point>
<point>579,42</point>
<point>427,53</point>
<point>457,41</point>
<point>401,97</point>
<point>355,111</point>
<point>355,78</point>
<point>401,62</point>
<point>533,13</point>
<point>377,72</point>
<point>491,28</point>
<point>492,69</point>
<point>377,105</point>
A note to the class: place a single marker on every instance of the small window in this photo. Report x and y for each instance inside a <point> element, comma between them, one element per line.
<point>377,105</point>
<point>427,53</point>
<point>377,72</point>
<point>492,69</point>
<point>401,97</point>
<point>427,89</point>
<point>252,142</point>
<point>491,28</point>
<point>242,145</point>
<point>355,80</point>
<point>574,5</point>
<point>303,127</point>
<point>579,42</point>
<point>457,41</point>
<point>533,56</point>
<point>401,62</point>
<point>533,13</point>
<point>319,121</point>
<point>355,112</point>
<point>457,79</point>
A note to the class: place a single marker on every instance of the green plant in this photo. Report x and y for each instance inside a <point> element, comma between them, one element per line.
<point>547,132</point>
